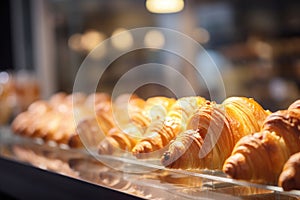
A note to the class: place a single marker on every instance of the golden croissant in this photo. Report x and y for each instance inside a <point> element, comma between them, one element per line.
<point>124,137</point>
<point>54,119</point>
<point>212,133</point>
<point>289,178</point>
<point>161,132</point>
<point>93,129</point>
<point>120,136</point>
<point>260,157</point>
<point>142,113</point>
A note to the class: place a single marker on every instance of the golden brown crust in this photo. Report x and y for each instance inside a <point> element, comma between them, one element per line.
<point>249,109</point>
<point>261,153</point>
<point>155,109</point>
<point>88,132</point>
<point>126,134</point>
<point>104,116</point>
<point>216,129</point>
<point>289,178</point>
<point>54,120</point>
<point>162,131</point>
<point>75,141</point>
<point>184,151</point>
<point>260,157</point>
<point>116,141</point>
<point>210,123</point>
<point>287,125</point>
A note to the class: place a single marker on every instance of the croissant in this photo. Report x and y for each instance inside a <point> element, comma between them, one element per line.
<point>20,124</point>
<point>260,157</point>
<point>93,129</point>
<point>155,109</point>
<point>54,119</point>
<point>110,115</point>
<point>43,119</point>
<point>289,178</point>
<point>119,114</point>
<point>104,116</point>
<point>95,99</point>
<point>125,138</point>
<point>212,133</point>
<point>161,132</point>
<point>88,132</point>
<point>117,140</point>
<point>120,136</point>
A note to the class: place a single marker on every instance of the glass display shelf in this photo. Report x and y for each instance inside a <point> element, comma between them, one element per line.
<point>31,168</point>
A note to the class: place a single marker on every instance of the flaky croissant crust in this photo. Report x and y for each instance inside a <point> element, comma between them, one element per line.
<point>161,132</point>
<point>260,157</point>
<point>55,119</point>
<point>289,178</point>
<point>125,137</point>
<point>216,130</point>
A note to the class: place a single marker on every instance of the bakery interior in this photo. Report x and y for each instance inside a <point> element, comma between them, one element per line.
<point>254,45</point>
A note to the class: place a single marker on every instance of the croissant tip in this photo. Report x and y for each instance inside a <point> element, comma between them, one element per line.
<point>136,150</point>
<point>287,185</point>
<point>75,141</point>
<point>143,147</point>
<point>287,182</point>
<point>229,169</point>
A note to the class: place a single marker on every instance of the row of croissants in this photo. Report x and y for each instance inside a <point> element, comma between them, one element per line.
<point>237,136</point>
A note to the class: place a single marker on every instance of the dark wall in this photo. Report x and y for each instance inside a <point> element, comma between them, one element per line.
<point>5,36</point>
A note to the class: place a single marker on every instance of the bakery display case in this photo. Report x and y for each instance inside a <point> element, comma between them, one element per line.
<point>134,100</point>
<point>56,171</point>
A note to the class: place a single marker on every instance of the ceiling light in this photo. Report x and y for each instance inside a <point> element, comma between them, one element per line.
<point>164,6</point>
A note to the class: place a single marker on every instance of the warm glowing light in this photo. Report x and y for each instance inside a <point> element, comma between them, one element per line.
<point>121,39</point>
<point>164,6</point>
<point>154,39</point>
<point>201,35</point>
<point>74,42</point>
<point>86,41</point>
<point>263,49</point>
<point>90,39</point>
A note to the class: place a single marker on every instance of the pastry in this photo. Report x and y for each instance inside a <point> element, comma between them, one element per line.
<point>212,133</point>
<point>289,178</point>
<point>55,120</point>
<point>260,157</point>
<point>125,136</point>
<point>161,132</point>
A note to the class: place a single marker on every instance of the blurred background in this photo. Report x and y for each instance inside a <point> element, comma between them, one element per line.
<point>255,44</point>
